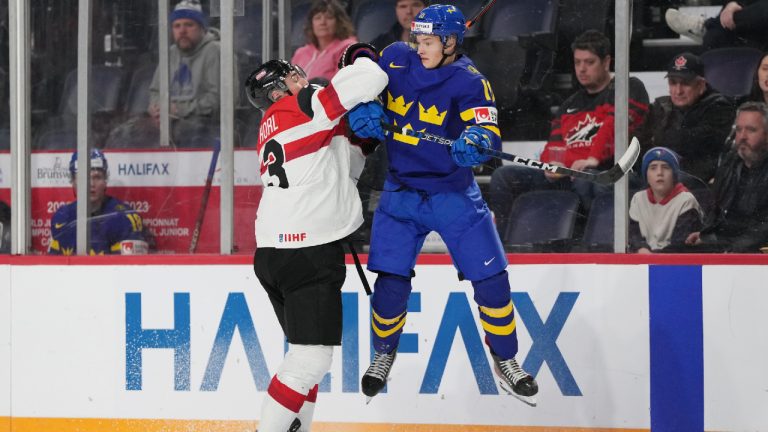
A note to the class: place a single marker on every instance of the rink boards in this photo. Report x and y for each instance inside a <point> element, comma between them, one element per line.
<point>189,344</point>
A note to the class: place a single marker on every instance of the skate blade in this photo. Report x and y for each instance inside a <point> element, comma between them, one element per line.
<point>528,400</point>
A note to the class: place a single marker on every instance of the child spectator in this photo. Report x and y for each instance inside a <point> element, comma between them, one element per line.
<point>662,215</point>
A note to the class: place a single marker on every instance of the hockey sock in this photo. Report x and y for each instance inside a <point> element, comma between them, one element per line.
<point>280,408</point>
<point>497,314</point>
<point>302,368</point>
<point>308,410</point>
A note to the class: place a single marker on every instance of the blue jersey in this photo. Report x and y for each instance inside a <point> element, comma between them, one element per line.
<point>441,101</point>
<point>114,222</point>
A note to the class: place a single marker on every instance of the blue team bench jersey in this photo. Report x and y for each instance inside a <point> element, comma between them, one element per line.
<point>114,222</point>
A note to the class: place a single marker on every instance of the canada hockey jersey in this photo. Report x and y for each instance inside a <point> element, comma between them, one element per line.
<point>441,101</point>
<point>584,123</point>
<point>114,222</point>
<point>308,166</point>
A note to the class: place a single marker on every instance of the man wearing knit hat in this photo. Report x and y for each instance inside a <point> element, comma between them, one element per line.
<point>693,121</point>
<point>194,88</point>
<point>664,214</point>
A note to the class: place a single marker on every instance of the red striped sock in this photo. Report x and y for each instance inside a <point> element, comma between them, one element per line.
<point>286,396</point>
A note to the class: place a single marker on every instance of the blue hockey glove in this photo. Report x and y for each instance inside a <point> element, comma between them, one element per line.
<point>365,120</point>
<point>464,153</point>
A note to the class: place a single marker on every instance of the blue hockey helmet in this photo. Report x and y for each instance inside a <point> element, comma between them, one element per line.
<point>440,20</point>
<point>98,161</point>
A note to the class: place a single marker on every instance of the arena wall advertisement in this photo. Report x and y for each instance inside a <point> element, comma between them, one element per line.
<point>186,347</point>
<point>163,186</point>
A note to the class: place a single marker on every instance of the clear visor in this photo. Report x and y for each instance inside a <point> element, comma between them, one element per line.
<point>299,70</point>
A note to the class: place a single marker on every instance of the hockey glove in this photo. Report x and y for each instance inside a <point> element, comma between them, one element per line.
<point>365,120</point>
<point>467,150</point>
<point>357,50</point>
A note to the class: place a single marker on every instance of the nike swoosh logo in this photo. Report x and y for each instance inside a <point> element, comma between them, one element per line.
<point>571,110</point>
<point>394,66</point>
<point>58,225</point>
<point>489,261</point>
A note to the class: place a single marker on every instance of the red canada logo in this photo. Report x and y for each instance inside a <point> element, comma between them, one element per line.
<point>680,63</point>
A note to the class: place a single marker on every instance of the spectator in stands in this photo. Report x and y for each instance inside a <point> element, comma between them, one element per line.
<point>759,91</point>
<point>115,227</point>
<point>739,23</point>
<point>740,220</point>
<point>194,87</point>
<point>5,228</point>
<point>582,135</point>
<point>693,121</point>
<point>329,31</point>
<point>401,30</point>
<point>663,215</point>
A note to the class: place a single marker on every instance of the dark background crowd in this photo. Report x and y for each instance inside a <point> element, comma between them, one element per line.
<point>530,50</point>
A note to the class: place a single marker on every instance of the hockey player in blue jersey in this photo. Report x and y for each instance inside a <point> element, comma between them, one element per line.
<point>431,187</point>
<point>115,227</point>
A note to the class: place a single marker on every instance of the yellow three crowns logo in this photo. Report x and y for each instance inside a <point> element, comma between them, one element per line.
<point>431,115</point>
<point>398,106</point>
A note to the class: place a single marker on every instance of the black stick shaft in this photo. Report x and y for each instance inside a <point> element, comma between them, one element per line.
<point>480,13</point>
<point>605,177</point>
<point>204,199</point>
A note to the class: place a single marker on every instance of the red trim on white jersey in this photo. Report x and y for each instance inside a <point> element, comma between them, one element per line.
<point>330,100</point>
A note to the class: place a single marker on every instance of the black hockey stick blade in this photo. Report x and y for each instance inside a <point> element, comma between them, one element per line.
<point>607,177</point>
<point>622,166</point>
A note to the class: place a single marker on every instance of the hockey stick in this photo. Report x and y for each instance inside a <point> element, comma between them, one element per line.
<point>204,199</point>
<point>606,177</point>
<point>480,13</point>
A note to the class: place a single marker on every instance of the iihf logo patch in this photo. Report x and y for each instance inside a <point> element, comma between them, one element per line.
<point>292,237</point>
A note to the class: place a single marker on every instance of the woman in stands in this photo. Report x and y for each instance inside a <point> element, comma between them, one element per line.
<point>759,91</point>
<point>328,31</point>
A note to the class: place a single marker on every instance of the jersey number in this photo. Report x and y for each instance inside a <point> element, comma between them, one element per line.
<point>135,222</point>
<point>274,159</point>
<point>488,92</point>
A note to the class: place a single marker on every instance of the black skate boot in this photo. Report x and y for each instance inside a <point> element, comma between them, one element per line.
<point>514,380</point>
<point>376,376</point>
<point>294,426</point>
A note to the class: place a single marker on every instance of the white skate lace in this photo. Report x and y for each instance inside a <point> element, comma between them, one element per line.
<point>380,366</point>
<point>511,370</point>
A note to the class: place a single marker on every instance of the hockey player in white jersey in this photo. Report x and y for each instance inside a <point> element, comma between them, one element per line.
<point>310,203</point>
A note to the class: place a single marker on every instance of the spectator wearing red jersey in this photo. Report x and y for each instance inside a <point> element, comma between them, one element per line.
<point>582,133</point>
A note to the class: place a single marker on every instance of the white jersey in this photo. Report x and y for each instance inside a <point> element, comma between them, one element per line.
<point>657,220</point>
<point>308,166</point>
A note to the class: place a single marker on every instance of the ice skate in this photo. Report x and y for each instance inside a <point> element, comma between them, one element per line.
<point>686,25</point>
<point>376,376</point>
<point>515,381</point>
